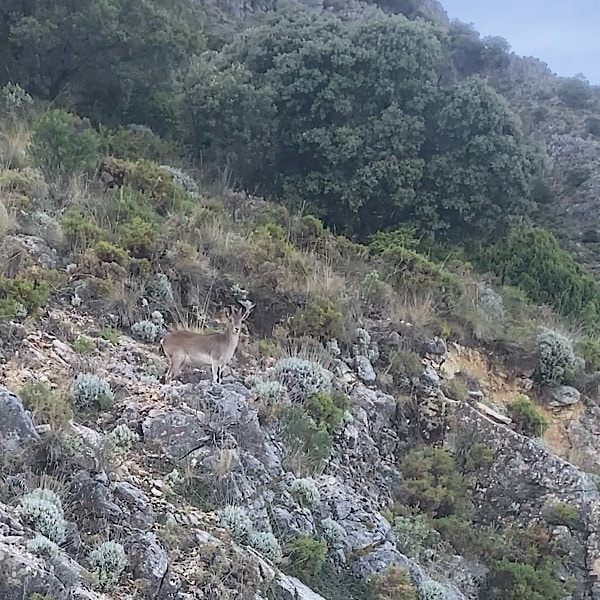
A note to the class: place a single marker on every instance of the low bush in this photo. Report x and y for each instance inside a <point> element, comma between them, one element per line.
<point>328,409</point>
<point>42,510</point>
<point>59,146</point>
<point>320,319</point>
<point>305,557</point>
<point>108,561</point>
<point>557,362</point>
<point>46,405</point>
<point>305,490</point>
<point>412,534</point>
<point>526,416</point>
<point>108,252</point>
<point>392,584</point>
<point>302,378</point>
<point>89,390</point>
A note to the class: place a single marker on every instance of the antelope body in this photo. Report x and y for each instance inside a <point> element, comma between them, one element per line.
<point>184,347</point>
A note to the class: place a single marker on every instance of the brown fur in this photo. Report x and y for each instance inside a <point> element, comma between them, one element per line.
<point>183,347</point>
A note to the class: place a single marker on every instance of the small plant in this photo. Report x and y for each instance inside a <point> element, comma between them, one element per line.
<point>160,291</point>
<point>306,557</point>
<point>302,378</point>
<point>268,392</point>
<point>267,544</point>
<point>14,97</point>
<point>560,513</point>
<point>306,491</point>
<point>89,390</point>
<point>412,534</point>
<point>527,417</point>
<point>21,296</point>
<point>320,318</point>
<point>108,560</point>
<point>334,534</point>
<point>393,584</point>
<point>58,146</point>
<point>145,330</point>
<point>557,359</point>
<point>42,510</point>
<point>110,335</point>
<point>328,409</point>
<point>432,590</point>
<point>121,438</point>
<point>108,253</point>
<point>45,405</point>
<point>182,179</point>
<point>42,546</point>
<point>308,444</point>
<point>236,520</point>
<point>363,346</point>
<point>84,345</point>
<point>80,230</point>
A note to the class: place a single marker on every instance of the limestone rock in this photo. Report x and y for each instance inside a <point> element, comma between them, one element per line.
<point>564,395</point>
<point>16,426</point>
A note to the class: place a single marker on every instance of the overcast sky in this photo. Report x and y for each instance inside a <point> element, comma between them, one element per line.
<point>565,35</point>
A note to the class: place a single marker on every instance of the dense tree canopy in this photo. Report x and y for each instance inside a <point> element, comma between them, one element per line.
<point>113,57</point>
<point>358,127</point>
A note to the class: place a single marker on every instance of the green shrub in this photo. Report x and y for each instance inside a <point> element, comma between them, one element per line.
<point>84,345</point>
<point>560,513</point>
<point>158,185</point>
<point>121,438</point>
<point>108,252</point>
<point>42,510</point>
<point>328,409</point>
<point>108,561</point>
<point>392,584</point>
<point>45,405</point>
<point>574,92</point>
<point>22,296</point>
<point>320,318</point>
<point>412,534</point>
<point>509,580</point>
<point>404,366</point>
<point>432,483</point>
<point>88,390</point>
<point>305,557</point>
<point>59,146</point>
<point>308,444</point>
<point>455,389</point>
<point>527,417</point>
<point>80,230</point>
<point>532,260</point>
<point>139,238</point>
<point>302,378</point>
<point>110,335</point>
<point>131,144</point>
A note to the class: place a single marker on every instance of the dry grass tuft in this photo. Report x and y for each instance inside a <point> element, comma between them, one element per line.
<point>417,309</point>
<point>14,140</point>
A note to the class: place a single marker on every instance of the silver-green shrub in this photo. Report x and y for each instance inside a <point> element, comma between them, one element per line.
<point>160,291</point>
<point>40,545</point>
<point>305,490</point>
<point>89,390</point>
<point>268,392</point>
<point>122,438</point>
<point>183,179</point>
<point>557,359</point>
<point>267,544</point>
<point>302,378</point>
<point>432,590</point>
<point>363,346</point>
<point>334,534</point>
<point>108,561</point>
<point>42,510</point>
<point>236,520</point>
<point>145,330</point>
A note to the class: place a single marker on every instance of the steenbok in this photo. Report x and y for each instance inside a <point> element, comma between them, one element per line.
<point>184,347</point>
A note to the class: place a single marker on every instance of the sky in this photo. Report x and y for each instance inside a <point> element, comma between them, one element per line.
<point>565,35</point>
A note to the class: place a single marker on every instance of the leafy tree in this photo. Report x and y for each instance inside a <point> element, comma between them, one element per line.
<point>114,57</point>
<point>575,92</point>
<point>230,121</point>
<point>478,164</point>
<point>350,101</point>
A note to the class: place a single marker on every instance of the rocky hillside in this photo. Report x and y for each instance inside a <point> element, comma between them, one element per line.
<point>346,454</point>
